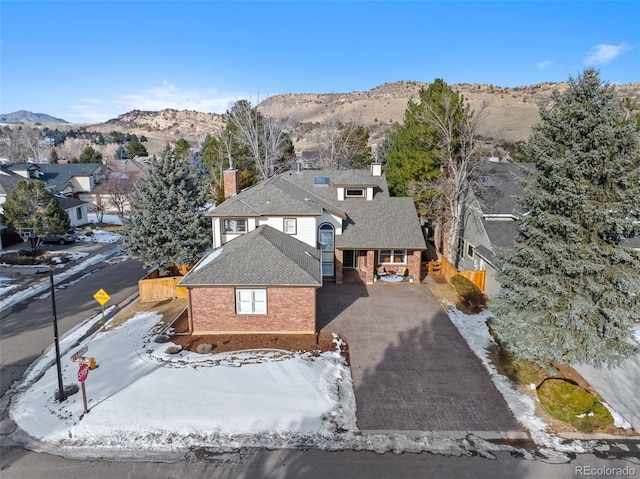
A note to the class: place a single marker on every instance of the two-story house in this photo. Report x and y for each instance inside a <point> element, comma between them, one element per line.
<point>489,220</point>
<point>343,220</point>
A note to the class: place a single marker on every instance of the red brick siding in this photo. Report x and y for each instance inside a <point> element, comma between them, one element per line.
<point>289,310</point>
<point>413,265</point>
<point>230,182</point>
<point>371,266</point>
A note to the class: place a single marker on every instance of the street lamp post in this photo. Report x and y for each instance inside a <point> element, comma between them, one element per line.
<point>61,394</point>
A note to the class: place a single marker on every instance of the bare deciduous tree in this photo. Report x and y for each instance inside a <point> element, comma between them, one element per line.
<point>264,134</point>
<point>456,125</point>
<point>120,186</point>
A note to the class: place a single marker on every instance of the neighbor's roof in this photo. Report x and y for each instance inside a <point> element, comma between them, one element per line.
<point>498,192</point>
<point>59,176</point>
<point>67,203</point>
<point>8,180</point>
<point>263,257</point>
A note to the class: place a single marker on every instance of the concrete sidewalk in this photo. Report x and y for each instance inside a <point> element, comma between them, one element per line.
<point>412,370</point>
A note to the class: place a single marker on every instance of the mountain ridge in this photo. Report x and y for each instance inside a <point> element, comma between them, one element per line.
<point>507,114</point>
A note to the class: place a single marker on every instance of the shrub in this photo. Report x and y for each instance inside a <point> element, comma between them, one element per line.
<point>522,371</point>
<point>572,404</point>
<point>89,233</point>
<point>204,348</point>
<point>468,291</point>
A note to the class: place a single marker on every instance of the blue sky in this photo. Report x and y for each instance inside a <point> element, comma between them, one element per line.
<point>89,61</point>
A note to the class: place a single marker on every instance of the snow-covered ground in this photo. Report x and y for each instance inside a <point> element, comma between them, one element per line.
<point>145,402</point>
<point>142,398</point>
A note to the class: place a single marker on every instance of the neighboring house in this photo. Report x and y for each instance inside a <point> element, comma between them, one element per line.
<point>348,214</point>
<point>264,281</point>
<point>120,176</point>
<point>490,218</point>
<point>70,179</point>
<point>8,182</point>
<point>76,210</point>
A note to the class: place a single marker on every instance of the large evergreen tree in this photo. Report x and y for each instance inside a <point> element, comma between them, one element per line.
<point>167,223</point>
<point>29,205</point>
<point>570,286</point>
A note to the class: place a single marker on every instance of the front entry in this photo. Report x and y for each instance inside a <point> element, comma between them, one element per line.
<point>326,244</point>
<point>350,258</point>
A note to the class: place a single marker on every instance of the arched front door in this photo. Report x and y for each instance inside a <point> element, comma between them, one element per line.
<point>327,249</point>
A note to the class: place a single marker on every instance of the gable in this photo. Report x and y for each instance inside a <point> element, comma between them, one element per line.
<point>262,257</point>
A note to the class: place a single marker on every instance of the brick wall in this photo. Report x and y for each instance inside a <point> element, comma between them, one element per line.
<point>339,266</point>
<point>289,310</point>
<point>413,265</point>
<point>230,182</point>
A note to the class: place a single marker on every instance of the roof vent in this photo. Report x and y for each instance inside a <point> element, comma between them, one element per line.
<point>321,181</point>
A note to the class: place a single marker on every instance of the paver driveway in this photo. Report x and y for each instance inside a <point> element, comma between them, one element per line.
<point>411,368</point>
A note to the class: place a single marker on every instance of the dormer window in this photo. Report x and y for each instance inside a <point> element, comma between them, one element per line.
<point>236,226</point>
<point>354,192</point>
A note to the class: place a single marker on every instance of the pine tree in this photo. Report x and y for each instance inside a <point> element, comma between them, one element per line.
<point>29,205</point>
<point>571,286</point>
<point>167,224</point>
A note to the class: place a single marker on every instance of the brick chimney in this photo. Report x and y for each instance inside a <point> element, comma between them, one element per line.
<point>230,182</point>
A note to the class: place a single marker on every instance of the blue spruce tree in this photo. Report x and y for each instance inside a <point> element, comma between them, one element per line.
<point>571,285</point>
<point>167,224</point>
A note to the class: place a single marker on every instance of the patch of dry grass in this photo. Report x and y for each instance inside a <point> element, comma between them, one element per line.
<point>169,309</point>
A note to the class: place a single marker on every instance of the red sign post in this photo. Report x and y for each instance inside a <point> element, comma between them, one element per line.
<point>83,372</point>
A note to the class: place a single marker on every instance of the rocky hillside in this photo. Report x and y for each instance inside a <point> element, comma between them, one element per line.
<point>507,114</point>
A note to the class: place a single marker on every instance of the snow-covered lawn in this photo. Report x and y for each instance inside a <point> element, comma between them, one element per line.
<point>142,398</point>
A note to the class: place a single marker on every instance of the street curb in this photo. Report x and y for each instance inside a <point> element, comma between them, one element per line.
<point>487,435</point>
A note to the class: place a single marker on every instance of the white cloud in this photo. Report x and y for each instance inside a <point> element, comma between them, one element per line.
<point>169,96</point>
<point>603,53</point>
<point>544,64</point>
<point>156,98</point>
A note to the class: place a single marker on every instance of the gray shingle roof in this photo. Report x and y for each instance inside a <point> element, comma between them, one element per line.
<point>8,180</point>
<point>262,257</point>
<point>498,195</point>
<point>380,223</point>
<point>66,203</point>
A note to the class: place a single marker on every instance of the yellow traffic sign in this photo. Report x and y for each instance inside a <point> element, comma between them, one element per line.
<point>102,297</point>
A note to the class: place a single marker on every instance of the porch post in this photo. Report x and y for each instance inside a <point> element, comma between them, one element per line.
<point>339,265</point>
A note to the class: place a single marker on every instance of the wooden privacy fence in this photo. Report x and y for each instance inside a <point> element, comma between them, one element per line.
<point>447,270</point>
<point>155,288</point>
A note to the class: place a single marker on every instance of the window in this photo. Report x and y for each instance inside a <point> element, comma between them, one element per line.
<point>78,213</point>
<point>392,256</point>
<point>321,181</point>
<point>354,192</point>
<point>469,250</point>
<point>251,301</point>
<point>290,226</point>
<point>235,226</point>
